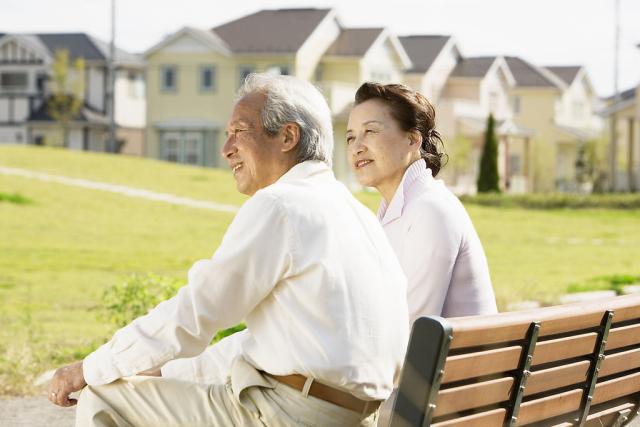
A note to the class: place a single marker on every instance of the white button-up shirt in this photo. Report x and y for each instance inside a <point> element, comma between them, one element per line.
<point>438,248</point>
<point>310,271</point>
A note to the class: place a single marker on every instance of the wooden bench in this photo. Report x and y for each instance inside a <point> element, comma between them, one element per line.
<point>574,364</point>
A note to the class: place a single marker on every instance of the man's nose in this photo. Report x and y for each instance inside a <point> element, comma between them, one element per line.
<point>229,147</point>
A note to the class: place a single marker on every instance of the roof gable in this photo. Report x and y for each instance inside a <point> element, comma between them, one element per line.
<point>23,48</point>
<point>271,31</point>
<point>473,67</point>
<point>526,74</point>
<point>354,41</point>
<point>423,50</point>
<point>79,45</point>
<point>568,74</point>
<point>207,39</point>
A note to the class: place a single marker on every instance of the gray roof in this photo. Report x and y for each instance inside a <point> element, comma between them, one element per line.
<point>527,74</point>
<point>625,95</point>
<point>423,50</point>
<point>473,67</point>
<point>354,41</point>
<point>271,31</point>
<point>567,74</point>
<point>79,45</point>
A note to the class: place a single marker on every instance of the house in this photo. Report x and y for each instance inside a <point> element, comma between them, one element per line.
<point>26,62</point>
<point>623,114</point>
<point>193,75</point>
<point>575,124</point>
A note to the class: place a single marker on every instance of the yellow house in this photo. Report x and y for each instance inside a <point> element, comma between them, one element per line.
<point>624,114</point>
<point>193,76</point>
<point>558,103</point>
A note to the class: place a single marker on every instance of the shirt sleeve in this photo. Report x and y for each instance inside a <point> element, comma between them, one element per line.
<point>253,256</point>
<point>432,242</point>
<point>212,366</point>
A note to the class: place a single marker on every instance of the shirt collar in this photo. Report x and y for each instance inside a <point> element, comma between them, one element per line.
<point>303,170</point>
<point>388,213</point>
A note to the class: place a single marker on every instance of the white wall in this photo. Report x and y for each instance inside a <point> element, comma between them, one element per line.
<point>130,103</point>
<point>95,86</point>
<point>437,76</point>
<point>12,135</point>
<point>311,52</point>
<point>381,63</point>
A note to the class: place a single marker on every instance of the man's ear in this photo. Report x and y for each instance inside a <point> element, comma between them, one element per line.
<point>291,133</point>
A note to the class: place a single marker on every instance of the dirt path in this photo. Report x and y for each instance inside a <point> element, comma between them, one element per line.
<point>119,189</point>
<point>34,412</point>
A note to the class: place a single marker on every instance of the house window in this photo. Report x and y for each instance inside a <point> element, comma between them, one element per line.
<point>516,104</point>
<point>207,78</point>
<point>192,148</point>
<point>13,81</point>
<point>168,78</point>
<point>171,142</point>
<point>243,73</point>
<point>278,70</point>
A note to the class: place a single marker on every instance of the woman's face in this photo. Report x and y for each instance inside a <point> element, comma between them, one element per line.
<point>379,151</point>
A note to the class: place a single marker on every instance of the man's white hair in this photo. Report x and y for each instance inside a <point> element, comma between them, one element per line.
<point>291,100</point>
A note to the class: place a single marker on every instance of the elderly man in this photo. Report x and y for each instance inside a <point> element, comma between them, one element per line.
<point>308,268</point>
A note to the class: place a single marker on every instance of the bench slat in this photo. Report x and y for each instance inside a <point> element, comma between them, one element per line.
<point>493,418</point>
<point>549,407</point>
<point>488,362</point>
<point>620,362</point>
<point>564,348</point>
<point>623,337</point>
<point>603,416</point>
<point>618,387</point>
<point>560,376</point>
<point>473,396</point>
<point>504,327</point>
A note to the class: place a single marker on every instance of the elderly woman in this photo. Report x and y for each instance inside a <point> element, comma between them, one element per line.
<point>394,147</point>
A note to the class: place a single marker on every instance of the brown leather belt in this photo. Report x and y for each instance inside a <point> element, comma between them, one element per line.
<point>329,394</point>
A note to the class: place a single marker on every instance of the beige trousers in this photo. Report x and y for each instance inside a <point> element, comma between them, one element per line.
<point>247,399</point>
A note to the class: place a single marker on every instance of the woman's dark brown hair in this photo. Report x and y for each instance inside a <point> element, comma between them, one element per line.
<point>413,112</point>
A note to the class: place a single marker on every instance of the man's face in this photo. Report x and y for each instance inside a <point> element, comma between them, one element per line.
<point>251,153</point>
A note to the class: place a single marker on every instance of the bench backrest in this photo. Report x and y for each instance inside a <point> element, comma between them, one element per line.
<point>574,364</point>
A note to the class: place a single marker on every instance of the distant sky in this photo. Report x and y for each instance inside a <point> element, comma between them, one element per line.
<point>546,32</point>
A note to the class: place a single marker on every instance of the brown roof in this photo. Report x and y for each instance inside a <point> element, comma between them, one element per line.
<point>527,74</point>
<point>473,67</point>
<point>354,41</point>
<point>271,31</point>
<point>567,74</point>
<point>423,50</point>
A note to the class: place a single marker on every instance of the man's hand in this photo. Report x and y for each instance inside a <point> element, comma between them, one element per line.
<point>66,380</point>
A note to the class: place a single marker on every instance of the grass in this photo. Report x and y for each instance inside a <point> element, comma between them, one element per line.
<point>59,252</point>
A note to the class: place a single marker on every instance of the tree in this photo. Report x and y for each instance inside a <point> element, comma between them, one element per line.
<point>67,96</point>
<point>488,179</point>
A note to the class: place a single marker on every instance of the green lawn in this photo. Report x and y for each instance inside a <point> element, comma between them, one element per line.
<point>63,246</point>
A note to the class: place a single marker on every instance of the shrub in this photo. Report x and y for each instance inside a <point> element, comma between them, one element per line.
<point>556,201</point>
<point>604,283</point>
<point>138,294</point>
<point>488,179</point>
<point>14,198</point>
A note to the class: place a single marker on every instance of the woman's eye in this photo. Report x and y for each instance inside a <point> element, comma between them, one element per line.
<point>349,139</point>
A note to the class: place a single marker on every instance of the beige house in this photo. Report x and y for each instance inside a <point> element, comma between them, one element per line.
<point>193,75</point>
<point>624,114</point>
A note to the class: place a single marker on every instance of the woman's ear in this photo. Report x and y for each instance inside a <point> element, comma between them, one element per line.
<point>415,137</point>
<point>291,133</point>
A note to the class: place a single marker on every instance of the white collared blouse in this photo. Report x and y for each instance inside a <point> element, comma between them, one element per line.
<point>310,271</point>
<point>438,248</point>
